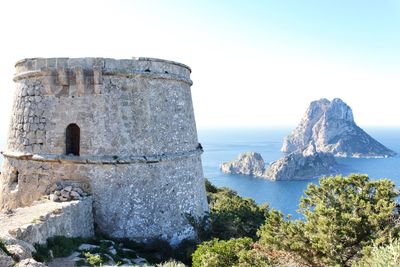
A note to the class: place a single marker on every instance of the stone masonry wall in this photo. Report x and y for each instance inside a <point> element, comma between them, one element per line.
<point>146,111</point>
<point>142,200</point>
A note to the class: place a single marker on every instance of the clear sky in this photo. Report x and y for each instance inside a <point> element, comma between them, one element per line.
<point>255,63</point>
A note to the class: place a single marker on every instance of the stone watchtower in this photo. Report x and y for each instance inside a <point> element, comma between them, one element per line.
<point>123,130</point>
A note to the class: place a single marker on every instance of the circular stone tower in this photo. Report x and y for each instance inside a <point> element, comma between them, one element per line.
<point>123,130</point>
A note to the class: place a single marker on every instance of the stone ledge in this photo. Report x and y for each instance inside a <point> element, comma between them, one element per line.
<point>151,75</point>
<point>98,61</point>
<point>46,72</point>
<point>45,219</point>
<point>102,159</point>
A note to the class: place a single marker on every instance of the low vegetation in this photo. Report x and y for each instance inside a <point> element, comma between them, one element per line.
<point>347,221</point>
<point>345,218</point>
<point>98,252</point>
<point>93,259</point>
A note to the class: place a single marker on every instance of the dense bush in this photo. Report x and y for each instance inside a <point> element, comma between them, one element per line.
<point>233,252</point>
<point>385,256</point>
<point>343,217</point>
<point>232,216</point>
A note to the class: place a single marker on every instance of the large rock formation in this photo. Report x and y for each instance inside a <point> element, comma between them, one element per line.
<point>248,163</point>
<point>295,166</point>
<point>331,127</point>
<point>302,165</point>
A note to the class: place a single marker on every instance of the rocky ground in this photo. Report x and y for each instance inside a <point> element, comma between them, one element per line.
<point>107,253</point>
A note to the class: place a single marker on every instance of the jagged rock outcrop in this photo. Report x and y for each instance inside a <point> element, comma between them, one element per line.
<point>295,166</point>
<point>248,163</point>
<point>331,128</point>
<point>302,165</point>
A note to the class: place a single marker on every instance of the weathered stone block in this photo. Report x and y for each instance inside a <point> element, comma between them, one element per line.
<point>37,223</point>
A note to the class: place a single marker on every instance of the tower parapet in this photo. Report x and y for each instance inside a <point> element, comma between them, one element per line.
<point>78,77</point>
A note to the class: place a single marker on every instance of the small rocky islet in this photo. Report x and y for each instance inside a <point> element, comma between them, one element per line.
<point>327,130</point>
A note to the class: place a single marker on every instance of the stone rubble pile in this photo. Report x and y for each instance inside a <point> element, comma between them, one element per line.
<point>19,253</point>
<point>67,193</point>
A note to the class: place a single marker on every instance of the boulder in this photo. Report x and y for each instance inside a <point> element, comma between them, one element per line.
<point>5,260</point>
<point>18,249</point>
<point>18,252</point>
<point>29,263</point>
<point>87,247</point>
<point>248,163</point>
<point>330,126</point>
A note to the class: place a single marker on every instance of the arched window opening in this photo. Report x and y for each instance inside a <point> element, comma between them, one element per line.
<point>72,139</point>
<point>14,179</point>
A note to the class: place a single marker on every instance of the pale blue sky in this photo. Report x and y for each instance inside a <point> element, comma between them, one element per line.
<point>255,63</point>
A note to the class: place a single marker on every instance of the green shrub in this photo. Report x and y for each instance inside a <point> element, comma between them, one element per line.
<point>343,216</point>
<point>92,259</point>
<point>382,256</point>
<point>232,252</point>
<point>232,216</point>
<point>252,258</point>
<point>220,253</point>
<point>210,188</point>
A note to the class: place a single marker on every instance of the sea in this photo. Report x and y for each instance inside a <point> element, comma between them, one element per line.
<point>221,145</point>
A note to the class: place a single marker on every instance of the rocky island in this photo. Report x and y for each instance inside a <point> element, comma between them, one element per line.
<point>304,165</point>
<point>295,166</point>
<point>330,126</point>
<point>327,130</point>
<point>248,163</point>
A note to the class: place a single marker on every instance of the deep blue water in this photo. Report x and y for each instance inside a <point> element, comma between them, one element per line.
<point>225,145</point>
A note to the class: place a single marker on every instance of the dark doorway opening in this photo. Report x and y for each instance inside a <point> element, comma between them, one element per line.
<point>72,139</point>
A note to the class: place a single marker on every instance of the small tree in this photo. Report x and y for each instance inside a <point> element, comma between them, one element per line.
<point>343,216</point>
